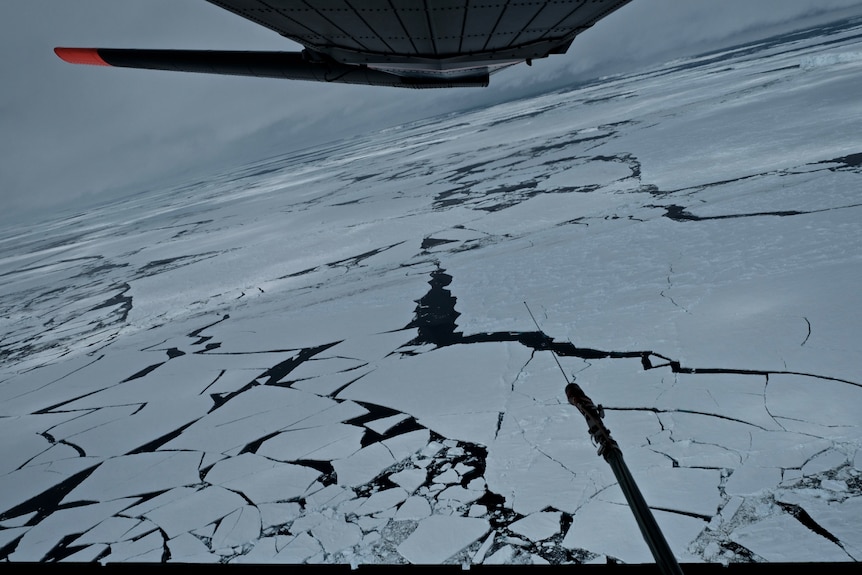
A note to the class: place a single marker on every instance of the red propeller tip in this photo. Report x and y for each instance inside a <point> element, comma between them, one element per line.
<point>81,56</point>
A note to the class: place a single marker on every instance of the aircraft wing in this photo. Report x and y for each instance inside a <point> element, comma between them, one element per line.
<point>405,43</point>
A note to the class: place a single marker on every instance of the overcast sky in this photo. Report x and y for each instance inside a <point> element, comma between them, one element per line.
<point>71,133</point>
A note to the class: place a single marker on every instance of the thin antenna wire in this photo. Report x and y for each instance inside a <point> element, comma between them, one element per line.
<point>543,333</point>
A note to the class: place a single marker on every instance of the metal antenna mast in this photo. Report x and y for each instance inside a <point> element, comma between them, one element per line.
<point>610,450</point>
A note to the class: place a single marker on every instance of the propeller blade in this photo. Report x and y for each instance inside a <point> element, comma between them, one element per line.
<point>282,65</point>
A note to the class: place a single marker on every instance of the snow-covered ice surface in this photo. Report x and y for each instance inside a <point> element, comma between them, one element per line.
<point>327,357</point>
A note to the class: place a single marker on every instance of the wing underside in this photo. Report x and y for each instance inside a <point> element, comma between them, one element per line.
<point>409,43</point>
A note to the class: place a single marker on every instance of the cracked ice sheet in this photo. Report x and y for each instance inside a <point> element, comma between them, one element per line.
<point>253,415</point>
<point>135,475</point>
<point>749,279</point>
<point>712,254</point>
<point>351,319</point>
<point>471,411</point>
<point>438,538</point>
<point>623,267</point>
<point>760,538</point>
<point>37,541</point>
<point>829,513</point>
<point>756,108</point>
<point>611,529</point>
<point>829,411</point>
<point>762,312</point>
